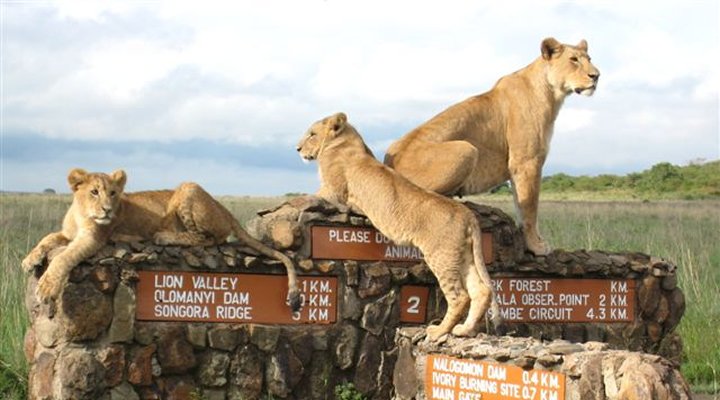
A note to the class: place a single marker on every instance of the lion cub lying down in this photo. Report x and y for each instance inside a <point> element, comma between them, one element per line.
<point>445,231</point>
<point>100,211</point>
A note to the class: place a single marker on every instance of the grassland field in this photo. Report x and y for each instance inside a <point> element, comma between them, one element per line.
<point>684,232</point>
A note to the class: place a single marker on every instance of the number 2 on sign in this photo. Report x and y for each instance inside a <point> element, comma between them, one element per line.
<point>414,307</point>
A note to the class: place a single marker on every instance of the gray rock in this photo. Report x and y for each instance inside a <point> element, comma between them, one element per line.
<point>376,314</point>
<point>265,337</point>
<point>123,321</point>
<point>212,368</point>
<point>246,373</point>
<point>345,346</point>
<point>78,375</point>
<point>223,338</point>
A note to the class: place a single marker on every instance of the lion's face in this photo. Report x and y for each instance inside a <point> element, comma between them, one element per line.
<point>319,135</point>
<point>569,67</point>
<point>97,194</point>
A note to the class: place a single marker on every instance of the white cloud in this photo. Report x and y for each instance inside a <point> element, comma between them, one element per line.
<point>261,72</point>
<point>574,119</point>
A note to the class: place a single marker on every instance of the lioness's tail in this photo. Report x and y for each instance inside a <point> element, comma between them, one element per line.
<point>293,291</point>
<point>482,271</point>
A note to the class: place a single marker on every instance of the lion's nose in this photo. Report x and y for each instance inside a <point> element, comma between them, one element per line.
<point>594,75</point>
<point>298,148</point>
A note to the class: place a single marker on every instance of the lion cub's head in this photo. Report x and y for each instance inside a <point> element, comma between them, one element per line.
<point>569,67</point>
<point>97,194</point>
<point>320,134</point>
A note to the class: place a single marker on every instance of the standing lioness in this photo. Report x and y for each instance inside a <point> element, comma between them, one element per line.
<point>446,232</point>
<point>503,134</point>
<point>100,211</point>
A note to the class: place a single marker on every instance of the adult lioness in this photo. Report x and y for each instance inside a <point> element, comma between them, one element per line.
<point>499,135</point>
<point>446,232</point>
<point>100,211</point>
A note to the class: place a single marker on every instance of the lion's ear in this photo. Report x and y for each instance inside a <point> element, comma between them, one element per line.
<point>583,45</point>
<point>119,177</point>
<point>337,123</point>
<point>550,47</point>
<point>76,177</point>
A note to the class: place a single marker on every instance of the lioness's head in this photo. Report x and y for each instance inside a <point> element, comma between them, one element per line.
<point>569,67</point>
<point>320,134</point>
<point>97,194</point>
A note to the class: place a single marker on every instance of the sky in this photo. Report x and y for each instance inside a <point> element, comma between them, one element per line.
<point>220,92</point>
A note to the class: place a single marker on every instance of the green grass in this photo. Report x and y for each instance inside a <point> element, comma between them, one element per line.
<point>684,232</point>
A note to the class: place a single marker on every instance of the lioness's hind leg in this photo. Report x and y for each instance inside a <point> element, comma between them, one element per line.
<point>440,167</point>
<point>194,218</point>
<point>169,238</point>
<point>479,302</point>
<point>455,294</point>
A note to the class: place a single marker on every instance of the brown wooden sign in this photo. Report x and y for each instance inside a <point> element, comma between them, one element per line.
<point>236,298</point>
<point>453,378</point>
<point>368,244</point>
<point>530,300</point>
<point>565,300</point>
<point>413,304</point>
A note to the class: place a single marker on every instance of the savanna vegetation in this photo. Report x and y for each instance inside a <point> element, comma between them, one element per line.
<point>698,180</point>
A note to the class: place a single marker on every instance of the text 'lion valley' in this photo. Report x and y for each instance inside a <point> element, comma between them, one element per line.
<point>233,298</point>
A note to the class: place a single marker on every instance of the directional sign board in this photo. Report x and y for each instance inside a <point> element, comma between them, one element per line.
<point>239,298</point>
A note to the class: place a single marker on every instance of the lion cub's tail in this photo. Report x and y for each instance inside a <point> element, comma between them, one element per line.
<point>293,291</point>
<point>482,271</point>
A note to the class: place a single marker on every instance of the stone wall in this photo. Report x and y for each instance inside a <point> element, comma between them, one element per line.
<point>591,370</point>
<point>90,345</point>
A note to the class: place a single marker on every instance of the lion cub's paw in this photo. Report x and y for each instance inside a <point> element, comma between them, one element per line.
<point>47,289</point>
<point>463,330</point>
<point>34,259</point>
<point>434,332</point>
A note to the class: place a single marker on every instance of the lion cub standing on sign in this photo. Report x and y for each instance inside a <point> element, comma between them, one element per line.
<point>100,211</point>
<point>446,231</point>
<point>503,134</point>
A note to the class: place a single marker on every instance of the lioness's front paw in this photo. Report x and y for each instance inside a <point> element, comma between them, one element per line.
<point>434,332</point>
<point>47,289</point>
<point>463,330</point>
<point>31,261</point>
<point>537,246</point>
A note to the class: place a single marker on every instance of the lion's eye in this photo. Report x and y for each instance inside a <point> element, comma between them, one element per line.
<point>574,59</point>
<point>113,193</point>
<point>312,134</point>
<point>94,192</point>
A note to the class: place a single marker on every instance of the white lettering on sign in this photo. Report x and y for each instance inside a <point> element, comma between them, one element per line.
<point>181,311</point>
<point>214,282</point>
<point>405,252</point>
<point>168,281</point>
<point>348,236</point>
<point>564,300</point>
<point>454,378</point>
<point>225,297</point>
<point>231,312</point>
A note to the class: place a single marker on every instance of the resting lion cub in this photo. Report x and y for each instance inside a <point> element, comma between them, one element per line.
<point>100,211</point>
<point>446,232</point>
<point>503,134</point>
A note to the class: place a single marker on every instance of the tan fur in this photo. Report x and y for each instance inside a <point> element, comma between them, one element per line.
<point>503,134</point>
<point>445,231</point>
<point>100,211</point>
